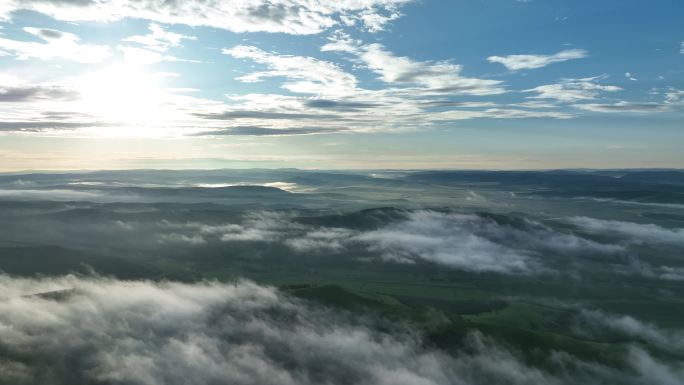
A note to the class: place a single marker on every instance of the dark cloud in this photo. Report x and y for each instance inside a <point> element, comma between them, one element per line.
<point>265,131</point>
<point>47,33</point>
<point>40,126</point>
<point>418,75</point>
<point>458,88</point>
<point>277,13</point>
<point>32,92</point>
<point>339,105</point>
<point>22,4</point>
<point>58,115</point>
<point>53,120</point>
<point>451,103</point>
<point>61,2</point>
<point>232,115</point>
<point>623,107</point>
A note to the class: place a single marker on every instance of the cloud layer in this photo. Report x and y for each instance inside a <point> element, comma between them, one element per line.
<point>468,242</point>
<point>297,17</point>
<point>74,331</point>
<point>632,232</point>
<point>596,323</point>
<point>148,84</point>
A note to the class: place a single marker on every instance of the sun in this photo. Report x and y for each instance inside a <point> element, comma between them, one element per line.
<point>123,93</point>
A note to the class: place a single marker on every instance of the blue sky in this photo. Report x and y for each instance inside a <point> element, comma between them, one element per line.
<point>485,84</point>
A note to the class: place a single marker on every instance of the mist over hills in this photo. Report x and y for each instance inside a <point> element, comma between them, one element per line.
<point>430,277</point>
<point>653,186</point>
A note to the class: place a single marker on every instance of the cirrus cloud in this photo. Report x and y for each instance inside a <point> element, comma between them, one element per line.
<point>523,62</point>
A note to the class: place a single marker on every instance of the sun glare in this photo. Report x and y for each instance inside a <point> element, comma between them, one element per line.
<point>125,94</point>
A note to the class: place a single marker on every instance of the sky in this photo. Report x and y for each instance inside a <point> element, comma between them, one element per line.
<point>341,84</point>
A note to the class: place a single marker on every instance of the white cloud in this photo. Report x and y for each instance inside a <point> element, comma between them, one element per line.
<point>588,89</point>
<point>180,238</point>
<point>337,103</point>
<point>153,46</point>
<point>124,99</point>
<point>521,62</point>
<point>286,16</point>
<point>329,98</point>
<point>466,242</point>
<point>671,101</point>
<point>89,330</point>
<point>666,272</point>
<point>446,239</point>
<point>159,39</point>
<point>631,232</point>
<point>305,74</point>
<point>629,76</point>
<point>650,371</point>
<point>435,77</point>
<point>56,45</point>
<point>374,21</point>
<point>166,333</point>
<point>264,226</point>
<point>326,239</point>
<point>140,56</point>
<point>54,194</point>
<point>477,243</point>
<point>673,96</point>
<point>623,106</point>
<point>572,90</point>
<point>641,331</point>
<point>292,187</point>
<point>499,113</point>
<point>441,77</point>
